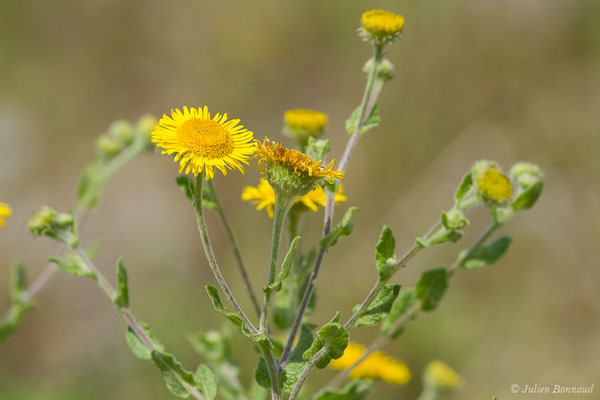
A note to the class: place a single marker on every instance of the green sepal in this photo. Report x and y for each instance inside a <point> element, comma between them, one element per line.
<point>371,122</point>
<point>380,307</point>
<point>205,381</point>
<point>122,295</point>
<point>286,267</point>
<point>385,260</point>
<point>431,287</point>
<point>406,299</point>
<point>333,338</point>
<point>355,390</point>
<point>463,188</point>
<point>175,376</point>
<point>317,149</point>
<point>73,264</point>
<point>486,254</point>
<point>18,282</point>
<point>296,363</point>
<point>235,318</point>
<point>343,228</point>
<point>137,345</point>
<point>526,199</point>
<point>261,375</point>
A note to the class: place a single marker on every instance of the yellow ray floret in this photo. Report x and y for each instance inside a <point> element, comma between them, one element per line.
<point>376,366</point>
<point>263,196</point>
<point>5,212</point>
<point>440,374</point>
<point>203,143</point>
<point>382,23</point>
<point>308,120</point>
<point>494,185</point>
<point>271,152</point>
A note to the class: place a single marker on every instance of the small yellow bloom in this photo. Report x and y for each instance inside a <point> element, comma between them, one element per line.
<point>203,143</point>
<point>308,120</point>
<point>5,212</point>
<point>494,185</point>
<point>263,196</point>
<point>441,375</point>
<point>376,366</point>
<point>381,25</point>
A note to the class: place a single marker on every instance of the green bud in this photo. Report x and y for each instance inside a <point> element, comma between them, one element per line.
<point>122,131</point>
<point>41,222</point>
<point>108,146</point>
<point>526,174</point>
<point>386,69</point>
<point>454,219</point>
<point>145,126</point>
<point>48,222</point>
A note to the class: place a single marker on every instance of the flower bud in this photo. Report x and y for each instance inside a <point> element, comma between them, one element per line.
<point>42,221</point>
<point>48,222</point>
<point>526,174</point>
<point>454,219</point>
<point>386,69</point>
<point>122,131</point>
<point>108,146</point>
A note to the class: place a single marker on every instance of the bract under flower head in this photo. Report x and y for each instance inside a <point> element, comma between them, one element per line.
<point>292,172</point>
<point>203,143</point>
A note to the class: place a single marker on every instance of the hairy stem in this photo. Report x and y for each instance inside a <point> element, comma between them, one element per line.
<point>236,249</point>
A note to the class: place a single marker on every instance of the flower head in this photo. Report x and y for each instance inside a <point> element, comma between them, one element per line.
<point>376,366</point>
<point>5,212</point>
<point>292,172</point>
<point>263,196</point>
<point>491,183</point>
<point>300,124</point>
<point>203,143</point>
<point>380,26</point>
<point>440,375</point>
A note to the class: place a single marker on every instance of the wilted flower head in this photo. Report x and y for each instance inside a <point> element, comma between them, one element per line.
<point>380,26</point>
<point>203,143</point>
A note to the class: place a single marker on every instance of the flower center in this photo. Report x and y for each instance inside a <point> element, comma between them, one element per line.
<point>381,22</point>
<point>495,185</point>
<point>205,138</point>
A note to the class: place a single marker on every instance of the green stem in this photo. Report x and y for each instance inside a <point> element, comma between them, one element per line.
<point>235,247</point>
<point>429,393</point>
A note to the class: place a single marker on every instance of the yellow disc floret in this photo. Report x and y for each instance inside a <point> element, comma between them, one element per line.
<point>5,212</point>
<point>203,143</point>
<point>381,25</point>
<point>494,185</point>
<point>376,366</point>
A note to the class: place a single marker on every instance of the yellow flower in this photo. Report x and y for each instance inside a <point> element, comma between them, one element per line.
<point>263,196</point>
<point>203,143</point>
<point>441,375</point>
<point>376,366</point>
<point>381,25</point>
<point>494,185</point>
<point>308,120</point>
<point>5,212</point>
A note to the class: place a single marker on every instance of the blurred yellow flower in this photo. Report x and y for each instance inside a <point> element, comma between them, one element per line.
<point>5,212</point>
<point>263,196</point>
<point>376,366</point>
<point>382,23</point>
<point>309,120</point>
<point>441,375</point>
<point>203,143</point>
<point>494,185</point>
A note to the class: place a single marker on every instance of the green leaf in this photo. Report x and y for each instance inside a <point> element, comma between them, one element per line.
<point>286,267</point>
<point>262,374</point>
<point>173,373</point>
<point>464,187</point>
<point>355,390</point>
<point>370,123</point>
<point>18,282</point>
<point>187,186</point>
<point>384,254</point>
<point>296,363</point>
<point>406,300</point>
<point>487,254</point>
<point>317,149</point>
<point>122,294</point>
<point>184,184</point>
<point>73,264</point>
<point>528,197</point>
<point>333,338</point>
<point>206,382</point>
<point>12,319</point>
<point>431,287</point>
<point>212,345</point>
<point>90,187</point>
<point>380,307</point>
<point>343,228</point>
<point>137,345</point>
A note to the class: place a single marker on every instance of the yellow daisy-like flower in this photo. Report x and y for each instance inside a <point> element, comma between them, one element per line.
<point>309,120</point>
<point>494,185</point>
<point>381,25</point>
<point>441,375</point>
<point>376,366</point>
<point>263,196</point>
<point>203,143</point>
<point>5,212</point>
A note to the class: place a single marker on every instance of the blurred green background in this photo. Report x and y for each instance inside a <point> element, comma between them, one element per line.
<point>506,80</point>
